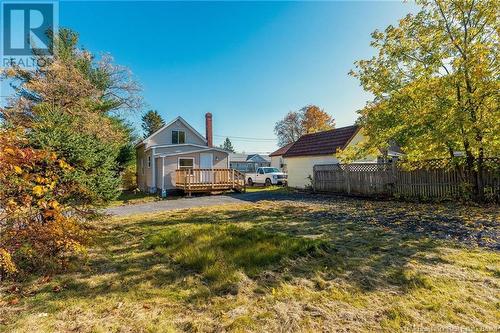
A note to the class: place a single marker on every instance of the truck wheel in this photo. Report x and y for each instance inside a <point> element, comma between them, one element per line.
<point>250,182</point>
<point>268,182</point>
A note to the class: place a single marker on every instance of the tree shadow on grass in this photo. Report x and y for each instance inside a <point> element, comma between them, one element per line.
<point>219,247</point>
<point>195,255</point>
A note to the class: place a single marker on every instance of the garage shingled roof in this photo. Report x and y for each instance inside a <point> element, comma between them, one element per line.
<point>322,143</point>
<point>282,150</point>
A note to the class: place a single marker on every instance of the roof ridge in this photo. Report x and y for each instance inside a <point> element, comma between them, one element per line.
<point>323,143</point>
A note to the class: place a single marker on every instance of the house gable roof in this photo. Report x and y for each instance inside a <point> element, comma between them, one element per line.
<point>235,157</point>
<point>322,143</point>
<point>252,158</point>
<point>282,150</point>
<point>256,158</point>
<point>179,118</point>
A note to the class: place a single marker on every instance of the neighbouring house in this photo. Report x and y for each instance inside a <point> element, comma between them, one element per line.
<point>248,162</point>
<point>316,149</point>
<point>177,146</point>
<point>277,160</point>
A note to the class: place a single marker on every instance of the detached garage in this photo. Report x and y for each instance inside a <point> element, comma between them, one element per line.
<point>316,149</point>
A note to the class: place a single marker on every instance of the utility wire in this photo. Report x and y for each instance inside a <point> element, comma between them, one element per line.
<point>244,138</point>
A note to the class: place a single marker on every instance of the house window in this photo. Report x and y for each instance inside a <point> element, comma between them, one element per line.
<point>186,163</point>
<point>149,161</point>
<point>178,137</point>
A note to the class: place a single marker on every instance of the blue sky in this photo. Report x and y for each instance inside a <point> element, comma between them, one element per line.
<point>246,62</point>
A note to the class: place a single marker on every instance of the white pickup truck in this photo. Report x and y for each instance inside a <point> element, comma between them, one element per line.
<point>267,176</point>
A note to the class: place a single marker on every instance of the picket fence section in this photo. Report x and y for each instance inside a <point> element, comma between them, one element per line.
<point>389,179</point>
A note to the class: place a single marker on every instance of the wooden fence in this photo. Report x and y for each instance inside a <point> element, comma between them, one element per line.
<point>389,179</point>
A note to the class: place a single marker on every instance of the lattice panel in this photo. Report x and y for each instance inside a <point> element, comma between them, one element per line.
<point>490,163</point>
<point>366,167</point>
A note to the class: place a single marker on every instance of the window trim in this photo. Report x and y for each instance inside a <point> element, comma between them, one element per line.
<point>178,137</point>
<point>184,158</point>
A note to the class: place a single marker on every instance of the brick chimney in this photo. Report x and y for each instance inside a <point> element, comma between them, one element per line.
<point>208,129</point>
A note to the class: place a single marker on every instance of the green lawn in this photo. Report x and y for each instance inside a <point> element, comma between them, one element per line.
<point>273,267</point>
<point>274,188</point>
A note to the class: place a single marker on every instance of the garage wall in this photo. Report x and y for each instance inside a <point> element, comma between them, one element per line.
<point>299,168</point>
<point>277,161</point>
<point>358,138</point>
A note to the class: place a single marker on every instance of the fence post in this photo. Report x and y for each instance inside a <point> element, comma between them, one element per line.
<point>347,173</point>
<point>393,178</point>
<point>314,178</point>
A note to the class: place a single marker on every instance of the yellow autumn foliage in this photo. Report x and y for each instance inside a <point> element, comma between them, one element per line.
<point>17,169</point>
<point>37,231</point>
<point>6,263</point>
<point>38,190</point>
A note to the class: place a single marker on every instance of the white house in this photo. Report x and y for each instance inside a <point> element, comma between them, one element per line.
<point>316,149</point>
<point>176,146</point>
<point>248,162</point>
<point>277,160</point>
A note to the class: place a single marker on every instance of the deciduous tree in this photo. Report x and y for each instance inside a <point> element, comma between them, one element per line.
<point>309,119</point>
<point>435,84</point>
<point>39,223</point>
<point>289,129</point>
<point>315,119</point>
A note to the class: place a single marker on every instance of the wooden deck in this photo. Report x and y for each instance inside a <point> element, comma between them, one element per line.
<point>209,180</point>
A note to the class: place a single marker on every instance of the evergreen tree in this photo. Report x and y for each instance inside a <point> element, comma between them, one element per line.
<point>151,122</point>
<point>70,107</point>
<point>228,145</point>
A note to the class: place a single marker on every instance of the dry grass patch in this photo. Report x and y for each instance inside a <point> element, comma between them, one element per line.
<point>271,266</point>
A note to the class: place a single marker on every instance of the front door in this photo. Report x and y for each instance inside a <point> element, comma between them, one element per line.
<point>206,162</point>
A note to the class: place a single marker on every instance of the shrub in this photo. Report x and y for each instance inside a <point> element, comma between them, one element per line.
<point>129,180</point>
<point>38,226</point>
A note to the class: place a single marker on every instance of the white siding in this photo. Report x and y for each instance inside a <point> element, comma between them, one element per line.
<point>177,149</point>
<point>164,137</point>
<point>276,161</point>
<point>358,138</point>
<point>171,164</point>
<point>300,168</point>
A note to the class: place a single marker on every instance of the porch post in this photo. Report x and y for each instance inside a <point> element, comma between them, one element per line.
<point>153,170</point>
<point>162,175</point>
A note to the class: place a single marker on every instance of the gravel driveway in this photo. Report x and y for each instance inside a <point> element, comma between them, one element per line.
<point>202,201</point>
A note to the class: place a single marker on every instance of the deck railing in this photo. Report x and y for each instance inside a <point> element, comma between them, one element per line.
<point>209,180</point>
